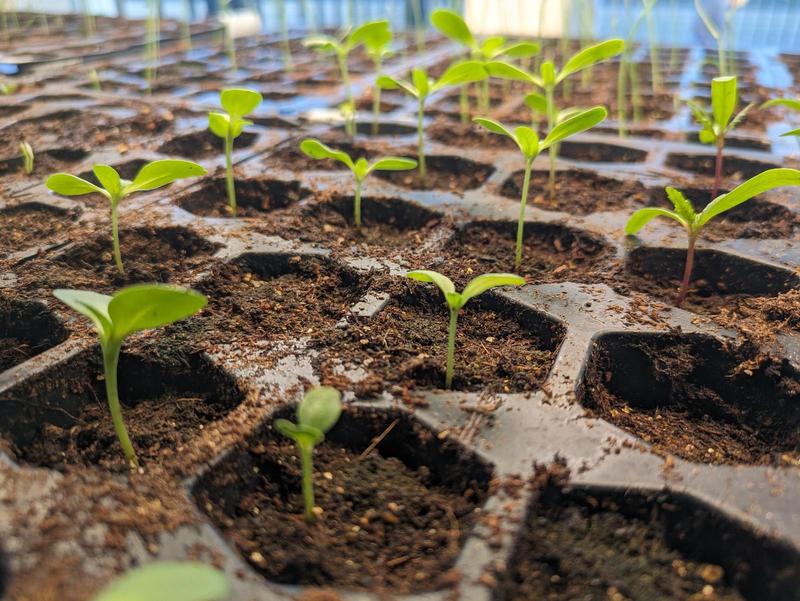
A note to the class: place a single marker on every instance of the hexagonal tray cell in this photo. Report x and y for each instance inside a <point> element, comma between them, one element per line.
<point>692,397</point>
<point>254,197</point>
<point>364,127</point>
<point>60,417</point>
<point>718,278</point>
<point>600,152</point>
<point>578,191</point>
<point>600,544</point>
<point>26,329</point>
<point>393,519</point>
<point>452,173</point>
<point>202,144</point>
<point>732,166</point>
<point>148,254</point>
<point>551,251</point>
<point>274,297</point>
<point>31,225</point>
<point>500,347</point>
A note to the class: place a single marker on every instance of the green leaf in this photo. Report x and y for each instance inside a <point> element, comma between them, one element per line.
<point>320,408</point>
<point>644,216</point>
<point>72,185</point>
<point>91,304</point>
<point>772,178</point>
<point>527,140</point>
<point>574,125</point>
<point>389,83</point>
<point>492,46</point>
<point>375,36</point>
<point>453,26</point>
<point>682,204</point>
<point>237,126</point>
<point>548,73</point>
<point>240,101</point>
<point>361,168</point>
<point>160,173</point>
<point>494,126</point>
<point>168,581</point>
<point>146,306</point>
<point>444,283</point>
<point>707,136</point>
<point>484,282</point>
<point>304,435</point>
<point>463,72</point>
<point>505,70</point>
<point>219,123</point>
<point>794,132</point>
<point>790,103</point>
<point>421,82</point>
<point>537,103</point>
<point>521,50</point>
<point>723,99</point>
<point>740,116</point>
<point>109,179</point>
<point>323,43</point>
<point>317,150</point>
<point>700,114</point>
<point>590,56</point>
<point>393,164</point>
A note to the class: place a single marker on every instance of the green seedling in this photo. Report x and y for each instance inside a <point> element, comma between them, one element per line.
<point>360,168</point>
<point>530,146</point>
<point>548,80</point>
<point>421,86</point>
<point>237,103</point>
<point>721,33</point>
<point>716,123</point>
<point>456,301</point>
<point>452,26</point>
<point>132,309</point>
<point>153,175</point>
<point>317,413</point>
<point>341,48</point>
<point>7,89</point>
<point>94,79</point>
<point>376,43</point>
<point>168,581</point>
<point>694,222</point>
<point>27,157</point>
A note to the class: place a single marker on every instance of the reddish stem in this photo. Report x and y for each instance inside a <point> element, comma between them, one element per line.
<point>687,271</point>
<point>718,169</point>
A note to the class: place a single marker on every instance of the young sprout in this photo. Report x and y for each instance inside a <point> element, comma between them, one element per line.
<point>7,89</point>
<point>717,122</point>
<point>317,413</point>
<point>530,146</point>
<point>237,103</point>
<point>94,78</point>
<point>456,301</point>
<point>360,168</point>
<point>153,175</point>
<point>341,49</point>
<point>548,80</point>
<point>376,44</point>
<point>132,309</point>
<point>694,222</point>
<point>421,86</point>
<point>168,581</point>
<point>27,157</point>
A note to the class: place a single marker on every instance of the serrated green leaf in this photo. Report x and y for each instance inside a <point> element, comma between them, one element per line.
<point>682,204</point>
<point>320,408</point>
<point>160,173</point>
<point>240,101</point>
<point>72,185</point>
<point>574,125</point>
<point>168,581</point>
<point>590,56</point>
<point>147,306</point>
<point>317,150</point>
<point>451,25</point>
<point>644,216</point>
<point>484,282</point>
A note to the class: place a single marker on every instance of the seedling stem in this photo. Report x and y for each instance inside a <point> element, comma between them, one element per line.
<point>521,221</point>
<point>687,269</point>
<point>111,350</point>
<point>421,139</point>
<point>451,347</point>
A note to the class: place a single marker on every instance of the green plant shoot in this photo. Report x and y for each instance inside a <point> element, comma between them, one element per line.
<point>317,413</point>
<point>132,309</point>
<point>790,103</point>
<point>530,146</point>
<point>716,123</point>
<point>341,48</point>
<point>27,157</point>
<point>548,80</point>
<point>168,581</point>
<point>456,301</point>
<point>694,222</point>
<point>153,175</point>
<point>376,43</point>
<point>421,86</point>
<point>237,103</point>
<point>360,168</point>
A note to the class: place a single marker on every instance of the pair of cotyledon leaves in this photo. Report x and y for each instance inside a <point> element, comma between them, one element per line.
<point>237,103</point>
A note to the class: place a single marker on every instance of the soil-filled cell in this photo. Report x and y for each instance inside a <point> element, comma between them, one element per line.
<point>31,225</point>
<point>254,196</point>
<point>451,173</point>
<point>26,329</point>
<point>203,144</point>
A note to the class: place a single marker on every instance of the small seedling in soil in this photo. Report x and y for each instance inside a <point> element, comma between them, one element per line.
<point>421,86</point>
<point>452,26</point>
<point>456,301</point>
<point>341,49</point>
<point>168,581</point>
<point>7,89</point>
<point>132,309</point>
<point>153,175</point>
<point>530,146</point>
<point>317,413</point>
<point>376,43</point>
<point>694,222</point>
<point>27,157</point>
<point>360,168</point>
<point>238,102</point>
<point>548,80</point>
<point>717,122</point>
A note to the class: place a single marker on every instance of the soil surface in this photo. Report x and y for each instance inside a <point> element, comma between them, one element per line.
<point>202,144</point>
<point>14,351</point>
<point>253,197</point>
<point>450,173</point>
<point>31,225</point>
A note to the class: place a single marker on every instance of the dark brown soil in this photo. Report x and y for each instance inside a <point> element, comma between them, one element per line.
<point>387,523</point>
<point>697,401</point>
<point>202,144</point>
<point>472,135</point>
<point>254,197</point>
<point>732,166</point>
<point>291,157</point>
<point>451,173</point>
<point>404,346</point>
<point>31,225</point>
<point>578,192</point>
<point>14,351</point>
<point>45,163</point>
<point>600,152</point>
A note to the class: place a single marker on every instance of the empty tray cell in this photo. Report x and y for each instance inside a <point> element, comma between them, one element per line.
<point>26,329</point>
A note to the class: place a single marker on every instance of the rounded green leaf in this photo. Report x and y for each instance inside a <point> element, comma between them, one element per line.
<point>444,283</point>
<point>375,35</point>
<point>169,581</point>
<point>644,216</point>
<point>219,123</point>
<point>575,125</point>
<point>505,70</point>
<point>160,173</point>
<point>317,150</point>
<point>521,50</point>
<point>361,168</point>
<point>420,80</point>
<point>147,306</point>
<point>393,164</point>
<point>494,126</point>
<point>323,43</point>
<point>72,185</point>
<point>492,47</point>
<point>460,73</point>
<point>240,101</point>
<point>790,103</point>
<point>537,103</point>
<point>590,56</point>
<point>451,25</point>
<point>484,282</point>
<point>548,73</point>
<point>91,304</point>
<point>527,140</point>
<point>320,408</point>
<point>109,179</point>
<point>304,435</point>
